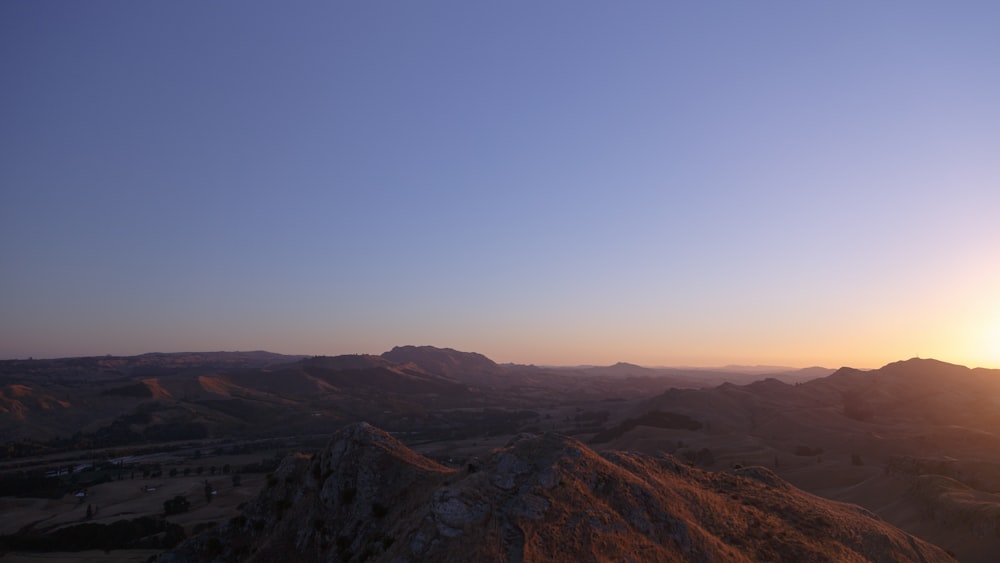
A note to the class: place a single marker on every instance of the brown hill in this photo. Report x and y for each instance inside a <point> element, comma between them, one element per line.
<point>388,376</point>
<point>915,441</point>
<point>366,497</point>
<point>17,400</point>
<point>250,394</point>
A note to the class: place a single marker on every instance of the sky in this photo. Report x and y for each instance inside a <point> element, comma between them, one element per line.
<point>559,182</point>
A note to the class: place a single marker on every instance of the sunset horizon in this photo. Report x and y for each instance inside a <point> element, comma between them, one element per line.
<point>530,282</point>
<point>561,184</point>
<point>598,360</point>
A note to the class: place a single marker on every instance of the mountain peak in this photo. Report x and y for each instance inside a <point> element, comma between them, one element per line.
<point>443,361</point>
<point>923,364</point>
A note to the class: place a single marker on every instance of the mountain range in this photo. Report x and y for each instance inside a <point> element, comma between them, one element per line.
<point>914,443</point>
<point>256,393</point>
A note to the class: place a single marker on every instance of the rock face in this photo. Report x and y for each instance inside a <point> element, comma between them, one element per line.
<point>366,497</point>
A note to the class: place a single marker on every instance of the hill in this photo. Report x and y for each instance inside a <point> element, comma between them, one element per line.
<point>366,497</point>
<point>68,401</point>
<point>444,361</point>
<point>915,441</point>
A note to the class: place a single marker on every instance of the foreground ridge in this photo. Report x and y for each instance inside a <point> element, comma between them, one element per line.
<point>367,497</point>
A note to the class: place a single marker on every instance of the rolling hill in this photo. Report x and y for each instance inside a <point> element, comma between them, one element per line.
<point>915,441</point>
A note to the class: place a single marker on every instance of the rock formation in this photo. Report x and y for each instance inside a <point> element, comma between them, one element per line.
<point>367,497</point>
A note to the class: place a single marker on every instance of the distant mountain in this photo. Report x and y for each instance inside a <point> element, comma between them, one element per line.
<point>72,402</point>
<point>755,368</point>
<point>249,393</point>
<point>799,375</point>
<point>153,364</point>
<point>701,377</point>
<point>929,368</point>
<point>916,391</point>
<point>621,369</point>
<point>444,361</point>
<point>366,497</point>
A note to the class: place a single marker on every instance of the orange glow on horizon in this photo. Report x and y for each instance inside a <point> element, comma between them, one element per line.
<point>986,345</point>
<point>979,342</point>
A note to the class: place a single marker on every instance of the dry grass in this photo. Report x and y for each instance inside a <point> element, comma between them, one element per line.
<point>542,498</point>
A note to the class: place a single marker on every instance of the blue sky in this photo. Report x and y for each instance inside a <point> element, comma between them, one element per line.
<point>557,182</point>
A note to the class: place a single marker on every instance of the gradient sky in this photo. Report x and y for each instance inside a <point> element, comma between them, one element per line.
<point>665,183</point>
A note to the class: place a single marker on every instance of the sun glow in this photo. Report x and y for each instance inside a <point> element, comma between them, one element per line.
<point>983,344</point>
<point>988,346</point>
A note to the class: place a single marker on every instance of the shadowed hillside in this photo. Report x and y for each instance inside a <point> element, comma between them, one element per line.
<point>916,441</point>
<point>249,394</point>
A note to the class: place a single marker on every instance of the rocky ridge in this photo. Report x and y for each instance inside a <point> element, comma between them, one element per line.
<point>367,497</point>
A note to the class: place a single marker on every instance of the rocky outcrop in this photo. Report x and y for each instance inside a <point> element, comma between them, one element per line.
<point>366,497</point>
